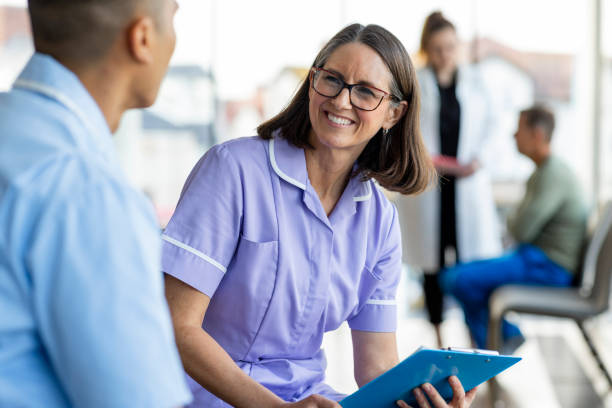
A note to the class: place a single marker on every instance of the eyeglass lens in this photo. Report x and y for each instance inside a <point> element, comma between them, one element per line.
<point>361,96</point>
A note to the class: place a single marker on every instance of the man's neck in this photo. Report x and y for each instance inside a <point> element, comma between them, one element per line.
<point>541,155</point>
<point>108,89</point>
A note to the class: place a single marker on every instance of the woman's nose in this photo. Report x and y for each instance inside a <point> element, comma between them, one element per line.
<point>343,100</point>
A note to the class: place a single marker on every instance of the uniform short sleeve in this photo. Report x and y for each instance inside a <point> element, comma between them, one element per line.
<point>377,311</point>
<point>98,298</point>
<point>201,237</point>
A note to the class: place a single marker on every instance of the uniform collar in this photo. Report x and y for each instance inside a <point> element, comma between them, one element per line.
<point>45,75</point>
<point>289,163</point>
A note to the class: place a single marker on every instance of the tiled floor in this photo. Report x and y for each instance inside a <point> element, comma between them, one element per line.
<point>557,370</point>
<point>572,386</point>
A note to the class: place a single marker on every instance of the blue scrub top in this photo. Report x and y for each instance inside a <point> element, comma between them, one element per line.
<point>250,232</point>
<point>83,320</point>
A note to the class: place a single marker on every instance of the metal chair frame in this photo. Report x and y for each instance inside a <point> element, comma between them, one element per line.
<point>580,303</point>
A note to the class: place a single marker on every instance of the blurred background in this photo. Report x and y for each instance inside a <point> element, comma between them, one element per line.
<point>238,62</point>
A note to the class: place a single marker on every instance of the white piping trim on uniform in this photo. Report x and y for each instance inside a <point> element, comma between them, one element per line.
<point>279,171</point>
<point>367,196</point>
<point>382,302</point>
<point>194,251</point>
<point>60,97</point>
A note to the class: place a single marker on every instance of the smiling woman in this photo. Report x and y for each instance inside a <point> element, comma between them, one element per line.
<point>361,112</point>
<point>394,154</point>
<point>280,238</point>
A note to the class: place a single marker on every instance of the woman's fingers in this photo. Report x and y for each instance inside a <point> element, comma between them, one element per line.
<point>471,394</point>
<point>460,398</point>
<point>402,404</point>
<point>420,397</point>
<point>458,391</point>
<point>434,396</point>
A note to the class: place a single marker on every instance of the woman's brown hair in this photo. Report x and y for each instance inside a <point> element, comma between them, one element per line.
<point>399,160</point>
<point>433,23</point>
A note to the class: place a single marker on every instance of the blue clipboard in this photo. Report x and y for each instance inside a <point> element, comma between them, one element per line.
<point>471,366</point>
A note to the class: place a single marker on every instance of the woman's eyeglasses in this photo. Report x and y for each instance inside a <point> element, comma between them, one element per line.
<point>363,97</point>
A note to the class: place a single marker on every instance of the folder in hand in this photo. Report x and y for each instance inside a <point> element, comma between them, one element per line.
<point>471,366</point>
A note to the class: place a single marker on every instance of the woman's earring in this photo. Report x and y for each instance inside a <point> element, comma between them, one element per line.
<point>385,132</point>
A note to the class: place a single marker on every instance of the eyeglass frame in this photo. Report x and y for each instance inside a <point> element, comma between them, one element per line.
<point>315,70</point>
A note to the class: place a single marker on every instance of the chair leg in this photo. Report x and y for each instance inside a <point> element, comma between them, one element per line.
<point>594,352</point>
<point>494,393</point>
<point>494,340</point>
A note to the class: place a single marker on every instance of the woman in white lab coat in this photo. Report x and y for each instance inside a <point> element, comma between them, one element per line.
<point>457,221</point>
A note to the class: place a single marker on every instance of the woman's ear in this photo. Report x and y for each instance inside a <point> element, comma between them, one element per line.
<point>395,113</point>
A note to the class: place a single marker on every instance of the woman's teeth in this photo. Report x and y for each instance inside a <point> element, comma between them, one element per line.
<point>338,120</point>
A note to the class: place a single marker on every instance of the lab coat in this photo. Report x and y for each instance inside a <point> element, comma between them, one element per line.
<point>478,232</point>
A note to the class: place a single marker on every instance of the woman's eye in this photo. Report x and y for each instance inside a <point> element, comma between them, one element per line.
<point>364,91</point>
<point>332,80</point>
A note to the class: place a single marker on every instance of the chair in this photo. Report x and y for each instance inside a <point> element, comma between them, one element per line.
<point>586,300</point>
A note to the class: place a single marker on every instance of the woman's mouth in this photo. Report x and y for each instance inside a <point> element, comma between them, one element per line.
<point>338,120</point>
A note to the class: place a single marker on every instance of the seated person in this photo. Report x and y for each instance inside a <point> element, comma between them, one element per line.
<point>549,227</point>
<point>282,237</point>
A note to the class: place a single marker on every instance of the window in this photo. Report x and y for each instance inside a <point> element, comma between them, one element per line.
<point>605,108</point>
<point>233,70</point>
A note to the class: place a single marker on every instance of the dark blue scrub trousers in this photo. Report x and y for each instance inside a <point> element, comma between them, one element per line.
<point>472,283</point>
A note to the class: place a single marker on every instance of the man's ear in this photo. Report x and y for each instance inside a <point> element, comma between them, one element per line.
<point>394,114</point>
<point>140,40</point>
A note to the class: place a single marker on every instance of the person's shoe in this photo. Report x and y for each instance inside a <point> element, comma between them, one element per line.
<point>512,344</point>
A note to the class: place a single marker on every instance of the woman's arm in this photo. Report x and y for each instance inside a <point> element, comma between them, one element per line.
<point>204,360</point>
<point>207,363</point>
<point>373,354</point>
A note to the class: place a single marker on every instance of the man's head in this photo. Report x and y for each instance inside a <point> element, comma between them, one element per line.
<point>136,36</point>
<point>534,133</point>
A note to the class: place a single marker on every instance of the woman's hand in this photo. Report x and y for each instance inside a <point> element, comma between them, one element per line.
<point>314,401</point>
<point>449,166</point>
<point>460,398</point>
<point>466,170</point>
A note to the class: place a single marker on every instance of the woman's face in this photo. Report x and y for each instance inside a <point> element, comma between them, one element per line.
<point>336,123</point>
<point>442,50</point>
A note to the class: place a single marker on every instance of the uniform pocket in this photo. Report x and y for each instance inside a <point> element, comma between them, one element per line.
<point>238,307</point>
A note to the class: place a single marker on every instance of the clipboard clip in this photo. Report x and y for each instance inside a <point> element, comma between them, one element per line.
<point>472,350</point>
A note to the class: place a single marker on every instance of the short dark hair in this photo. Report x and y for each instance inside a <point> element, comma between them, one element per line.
<point>398,161</point>
<point>540,116</point>
<point>433,23</point>
<point>82,30</point>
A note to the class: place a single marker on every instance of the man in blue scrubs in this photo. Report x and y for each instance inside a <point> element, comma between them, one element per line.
<point>83,320</point>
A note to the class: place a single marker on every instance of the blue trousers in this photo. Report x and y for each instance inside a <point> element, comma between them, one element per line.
<point>472,283</point>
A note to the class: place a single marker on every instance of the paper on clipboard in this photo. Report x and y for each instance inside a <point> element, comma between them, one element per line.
<point>473,367</point>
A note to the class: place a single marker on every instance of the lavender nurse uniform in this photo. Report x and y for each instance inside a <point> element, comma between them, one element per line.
<point>250,232</point>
